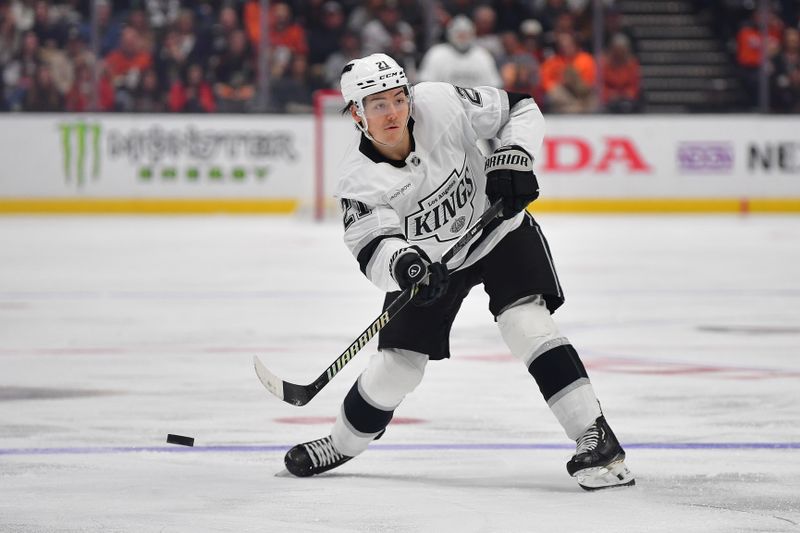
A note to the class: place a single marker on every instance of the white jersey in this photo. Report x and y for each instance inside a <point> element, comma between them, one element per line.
<point>473,68</point>
<point>438,191</point>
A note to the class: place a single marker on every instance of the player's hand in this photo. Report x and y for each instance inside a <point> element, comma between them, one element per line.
<point>510,177</point>
<point>434,287</point>
<point>411,267</point>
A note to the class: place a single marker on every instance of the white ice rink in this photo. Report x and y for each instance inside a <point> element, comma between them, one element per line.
<point>115,331</point>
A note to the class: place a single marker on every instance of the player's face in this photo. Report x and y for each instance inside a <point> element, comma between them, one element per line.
<point>387,115</point>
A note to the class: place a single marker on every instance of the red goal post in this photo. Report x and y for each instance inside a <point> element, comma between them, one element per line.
<point>331,134</point>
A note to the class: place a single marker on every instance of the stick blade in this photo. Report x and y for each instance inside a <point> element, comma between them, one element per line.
<point>288,392</point>
<point>270,381</point>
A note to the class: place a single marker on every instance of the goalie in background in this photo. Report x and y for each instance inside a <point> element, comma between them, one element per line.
<point>461,60</point>
<point>412,184</point>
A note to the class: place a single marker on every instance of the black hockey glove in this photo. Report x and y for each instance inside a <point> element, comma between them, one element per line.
<point>411,266</point>
<point>509,175</point>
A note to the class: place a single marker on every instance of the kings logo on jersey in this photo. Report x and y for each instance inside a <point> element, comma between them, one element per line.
<point>446,211</point>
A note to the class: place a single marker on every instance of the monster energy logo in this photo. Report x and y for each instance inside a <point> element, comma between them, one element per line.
<point>78,139</point>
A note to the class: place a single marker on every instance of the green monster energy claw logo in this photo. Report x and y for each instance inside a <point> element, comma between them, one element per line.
<point>77,140</point>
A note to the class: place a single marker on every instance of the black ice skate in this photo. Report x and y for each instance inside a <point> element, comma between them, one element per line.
<point>599,460</point>
<point>314,457</point>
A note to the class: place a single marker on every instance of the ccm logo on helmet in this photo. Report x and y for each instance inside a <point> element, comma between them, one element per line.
<point>389,75</point>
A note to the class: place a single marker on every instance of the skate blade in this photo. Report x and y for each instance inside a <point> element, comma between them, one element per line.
<point>615,474</point>
<point>283,473</point>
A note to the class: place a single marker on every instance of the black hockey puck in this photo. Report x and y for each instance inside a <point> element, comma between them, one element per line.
<point>180,439</point>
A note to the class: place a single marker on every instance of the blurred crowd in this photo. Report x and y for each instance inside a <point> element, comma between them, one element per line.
<point>203,56</point>
<point>742,28</point>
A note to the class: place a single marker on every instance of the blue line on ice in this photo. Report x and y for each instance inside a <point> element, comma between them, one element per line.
<point>89,450</point>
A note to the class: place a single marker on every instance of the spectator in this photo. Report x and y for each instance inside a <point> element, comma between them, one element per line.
<point>363,14</point>
<point>69,13</point>
<point>403,51</point>
<point>748,40</point>
<point>377,35</point>
<point>309,14</point>
<point>79,97</point>
<point>171,59</point>
<point>509,13</point>
<point>18,74</point>
<point>349,49</point>
<point>147,96</point>
<point>162,13</point>
<point>109,30</point>
<point>9,36</point>
<point>413,13</point>
<point>291,92</point>
<point>205,12</point>
<point>614,25</point>
<point>49,31</point>
<point>125,66</point>
<point>43,95</point>
<point>193,94</point>
<point>129,59</point>
<point>564,23</point>
<point>486,37</point>
<point>519,69</point>
<point>621,77</point>
<point>750,47</point>
<point>785,80</point>
<point>324,41</point>
<point>138,20</point>
<point>234,88</point>
<point>77,50</point>
<point>106,91</point>
<point>282,30</point>
<point>530,32</point>
<point>460,61</point>
<point>61,67</point>
<point>568,78</point>
<point>548,13</point>
<point>220,34</point>
<point>188,48</point>
<point>22,11</point>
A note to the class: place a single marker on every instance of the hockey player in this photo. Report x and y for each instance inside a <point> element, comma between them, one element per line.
<point>411,186</point>
<point>461,60</point>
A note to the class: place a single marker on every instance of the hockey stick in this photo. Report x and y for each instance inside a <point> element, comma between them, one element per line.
<point>302,394</point>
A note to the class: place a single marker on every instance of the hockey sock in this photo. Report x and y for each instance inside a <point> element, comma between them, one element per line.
<point>563,382</point>
<point>358,423</point>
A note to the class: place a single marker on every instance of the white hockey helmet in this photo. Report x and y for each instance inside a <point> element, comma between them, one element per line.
<point>370,75</point>
<point>461,32</point>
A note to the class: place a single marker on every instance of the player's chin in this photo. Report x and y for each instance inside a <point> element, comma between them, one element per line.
<point>389,137</point>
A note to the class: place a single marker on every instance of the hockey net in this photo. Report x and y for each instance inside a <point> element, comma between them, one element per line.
<point>333,134</point>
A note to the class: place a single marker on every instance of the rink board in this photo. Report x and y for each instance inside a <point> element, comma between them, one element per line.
<point>266,163</point>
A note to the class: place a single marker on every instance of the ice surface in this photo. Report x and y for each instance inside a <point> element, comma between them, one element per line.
<point>115,331</point>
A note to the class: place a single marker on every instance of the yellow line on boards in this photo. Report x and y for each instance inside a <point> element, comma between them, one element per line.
<point>667,205</point>
<point>160,206</point>
<point>286,206</point>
